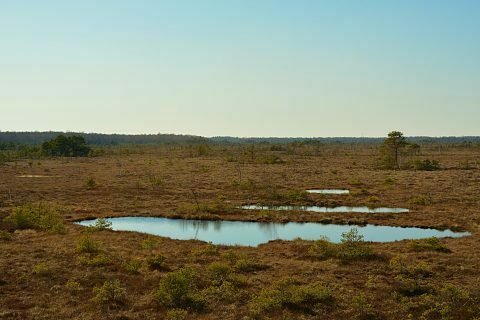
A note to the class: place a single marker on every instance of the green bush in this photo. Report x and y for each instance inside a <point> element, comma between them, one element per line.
<point>219,272</point>
<point>226,292</point>
<point>247,265</point>
<point>426,165</point>
<point>428,244</point>
<point>410,278</point>
<point>73,286</point>
<point>133,266</point>
<point>323,249</point>
<point>291,295</point>
<point>87,245</point>
<point>157,262</point>
<point>150,243</point>
<point>110,294</point>
<point>179,289</point>
<point>39,216</point>
<point>100,225</point>
<point>352,247</point>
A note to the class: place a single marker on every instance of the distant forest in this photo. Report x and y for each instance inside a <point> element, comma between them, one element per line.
<point>37,138</point>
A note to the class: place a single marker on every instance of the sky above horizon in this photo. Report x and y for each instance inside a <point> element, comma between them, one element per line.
<point>245,68</point>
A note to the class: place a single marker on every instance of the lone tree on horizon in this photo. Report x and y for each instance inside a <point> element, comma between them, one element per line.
<point>393,144</point>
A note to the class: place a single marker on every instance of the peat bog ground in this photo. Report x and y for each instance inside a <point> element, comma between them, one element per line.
<point>73,272</point>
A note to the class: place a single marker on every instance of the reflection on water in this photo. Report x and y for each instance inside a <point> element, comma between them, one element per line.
<point>341,209</point>
<point>255,233</point>
<point>328,191</point>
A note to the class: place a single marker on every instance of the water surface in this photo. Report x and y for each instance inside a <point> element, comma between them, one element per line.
<point>35,176</point>
<point>255,233</point>
<point>340,209</point>
<point>328,191</point>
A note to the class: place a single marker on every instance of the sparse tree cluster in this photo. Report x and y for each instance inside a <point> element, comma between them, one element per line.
<point>73,146</point>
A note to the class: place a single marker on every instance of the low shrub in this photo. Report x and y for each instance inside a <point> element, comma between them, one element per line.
<point>177,314</point>
<point>87,245</point>
<point>247,265</point>
<point>291,295</point>
<point>420,201</point>
<point>41,269</point>
<point>226,292</point>
<point>150,243</point>
<point>208,250</point>
<point>101,224</point>
<point>179,289</point>
<point>410,278</point>
<point>428,244</point>
<point>323,249</point>
<point>90,183</point>
<point>157,262</point>
<point>352,247</point>
<point>271,159</point>
<point>426,165</point>
<point>73,286</point>
<point>110,294</point>
<point>133,266</point>
<point>39,216</point>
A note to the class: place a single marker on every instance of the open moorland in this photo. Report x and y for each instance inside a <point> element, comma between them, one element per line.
<point>51,268</point>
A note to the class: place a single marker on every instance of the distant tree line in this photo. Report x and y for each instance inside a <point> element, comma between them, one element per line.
<point>12,139</point>
<point>37,138</point>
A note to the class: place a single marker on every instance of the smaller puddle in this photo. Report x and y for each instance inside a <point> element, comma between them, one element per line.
<point>35,176</point>
<point>328,191</point>
<point>341,209</point>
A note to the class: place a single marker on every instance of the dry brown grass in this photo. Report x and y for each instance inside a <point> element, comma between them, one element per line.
<point>161,181</point>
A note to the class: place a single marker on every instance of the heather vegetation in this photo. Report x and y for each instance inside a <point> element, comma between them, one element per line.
<point>96,273</point>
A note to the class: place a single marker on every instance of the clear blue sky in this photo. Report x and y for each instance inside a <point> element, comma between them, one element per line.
<point>241,67</point>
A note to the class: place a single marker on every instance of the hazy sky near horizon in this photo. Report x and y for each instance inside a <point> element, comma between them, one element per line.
<point>241,67</point>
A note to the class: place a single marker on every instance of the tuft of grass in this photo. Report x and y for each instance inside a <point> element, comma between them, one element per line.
<point>41,269</point>
<point>5,235</point>
<point>420,201</point>
<point>73,286</point>
<point>90,183</point>
<point>177,314</point>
